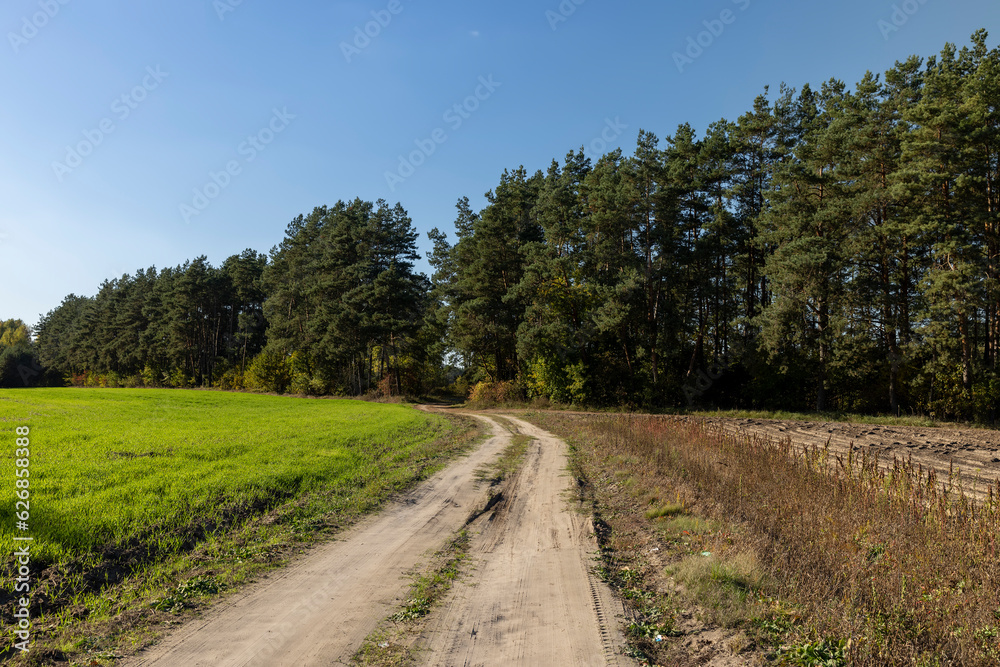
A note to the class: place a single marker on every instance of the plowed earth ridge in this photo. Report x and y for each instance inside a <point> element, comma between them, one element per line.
<point>974,454</point>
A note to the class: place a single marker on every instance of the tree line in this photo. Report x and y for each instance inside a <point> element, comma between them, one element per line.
<point>831,248</point>
<point>334,308</point>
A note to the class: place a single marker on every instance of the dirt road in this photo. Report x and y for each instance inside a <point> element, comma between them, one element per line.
<point>536,600</point>
<point>531,599</point>
<point>319,610</point>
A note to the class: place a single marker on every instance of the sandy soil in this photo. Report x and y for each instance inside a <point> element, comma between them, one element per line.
<point>975,453</point>
<point>319,610</point>
<point>531,599</point>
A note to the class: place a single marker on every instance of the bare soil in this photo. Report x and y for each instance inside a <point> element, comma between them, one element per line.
<point>530,600</point>
<point>974,454</point>
<point>319,610</point>
<point>531,596</point>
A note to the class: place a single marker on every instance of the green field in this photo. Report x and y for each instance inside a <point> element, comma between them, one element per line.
<point>145,503</point>
<point>112,466</point>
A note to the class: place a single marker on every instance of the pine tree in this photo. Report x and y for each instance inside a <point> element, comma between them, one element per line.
<point>491,259</point>
<point>555,339</point>
<point>937,158</point>
<point>757,150</point>
<point>614,273</point>
<point>810,222</point>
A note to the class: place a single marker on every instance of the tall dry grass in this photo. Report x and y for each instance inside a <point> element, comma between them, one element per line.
<point>883,553</point>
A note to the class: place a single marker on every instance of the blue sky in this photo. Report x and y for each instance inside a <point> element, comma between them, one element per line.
<point>139,133</point>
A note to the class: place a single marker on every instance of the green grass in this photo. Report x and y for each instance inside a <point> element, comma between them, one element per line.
<point>108,466</point>
<point>723,584</point>
<point>147,503</point>
<point>428,588</point>
<point>672,509</point>
<point>508,463</point>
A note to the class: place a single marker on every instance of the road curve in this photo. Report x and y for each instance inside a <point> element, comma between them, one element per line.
<point>319,610</point>
<point>532,599</point>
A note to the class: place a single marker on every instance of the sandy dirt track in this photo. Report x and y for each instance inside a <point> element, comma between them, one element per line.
<point>536,603</point>
<point>319,610</point>
<point>531,599</point>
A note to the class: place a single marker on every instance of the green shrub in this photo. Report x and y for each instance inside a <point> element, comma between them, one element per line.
<point>232,379</point>
<point>179,379</point>
<point>301,383</point>
<point>152,377</point>
<point>497,392</point>
<point>269,371</point>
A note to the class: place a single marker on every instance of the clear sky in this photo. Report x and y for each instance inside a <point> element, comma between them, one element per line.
<point>137,134</point>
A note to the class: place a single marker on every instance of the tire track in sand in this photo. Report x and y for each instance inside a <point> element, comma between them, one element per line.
<point>319,610</point>
<point>531,599</point>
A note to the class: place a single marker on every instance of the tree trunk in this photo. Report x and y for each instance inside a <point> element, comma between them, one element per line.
<point>823,324</point>
<point>966,355</point>
<point>894,359</point>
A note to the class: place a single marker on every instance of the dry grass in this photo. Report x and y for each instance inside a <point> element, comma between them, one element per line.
<point>830,558</point>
